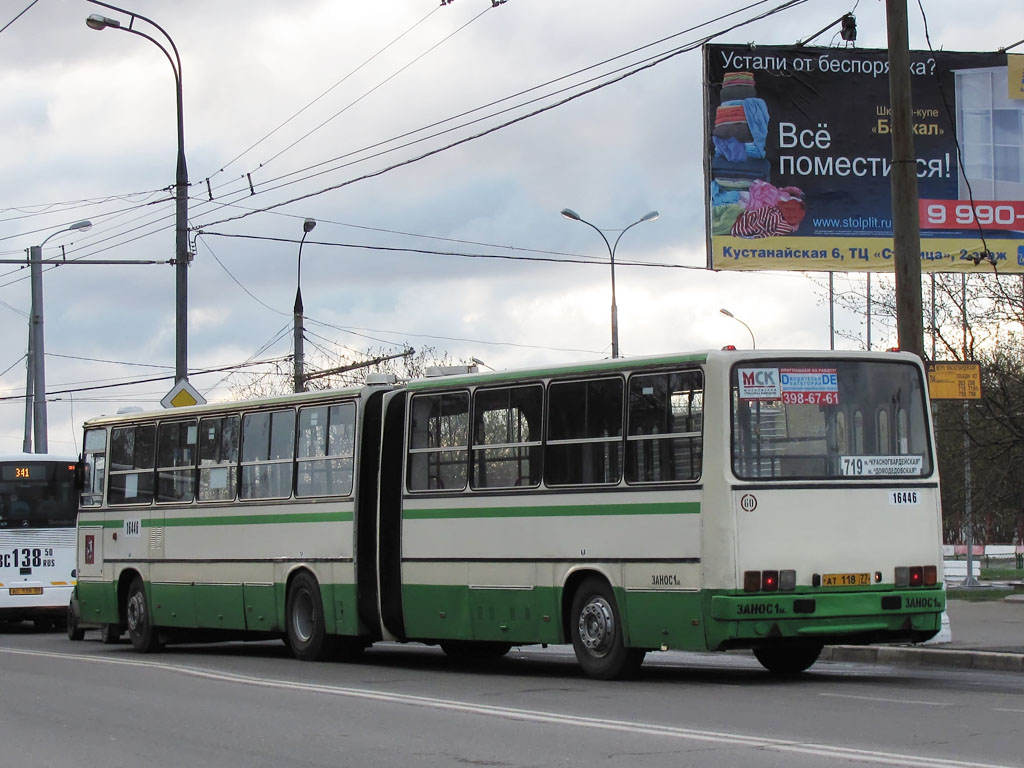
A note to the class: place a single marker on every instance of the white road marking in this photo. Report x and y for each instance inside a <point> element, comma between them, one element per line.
<point>534,716</point>
<point>882,700</point>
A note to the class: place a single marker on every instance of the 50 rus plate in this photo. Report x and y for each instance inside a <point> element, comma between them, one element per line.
<point>26,590</point>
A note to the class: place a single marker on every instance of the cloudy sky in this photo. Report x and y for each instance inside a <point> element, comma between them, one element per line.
<point>363,117</point>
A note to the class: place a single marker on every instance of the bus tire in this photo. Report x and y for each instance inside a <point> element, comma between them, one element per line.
<point>110,634</point>
<point>596,628</point>
<point>788,661</point>
<point>306,626</point>
<point>143,634</point>
<point>75,631</point>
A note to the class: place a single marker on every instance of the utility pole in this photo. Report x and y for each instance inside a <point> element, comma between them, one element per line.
<point>903,175</point>
<point>38,366</point>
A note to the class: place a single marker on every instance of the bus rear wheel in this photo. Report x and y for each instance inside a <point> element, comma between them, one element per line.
<point>306,626</point>
<point>596,629</point>
<point>143,634</point>
<point>788,661</point>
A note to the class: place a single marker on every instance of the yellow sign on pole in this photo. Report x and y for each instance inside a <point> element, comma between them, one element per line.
<point>182,394</point>
<point>954,381</point>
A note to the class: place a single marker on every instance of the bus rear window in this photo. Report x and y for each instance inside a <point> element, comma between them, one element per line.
<point>800,419</point>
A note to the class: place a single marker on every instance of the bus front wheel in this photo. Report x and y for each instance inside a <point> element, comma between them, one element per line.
<point>307,629</point>
<point>143,634</point>
<point>788,661</point>
<point>75,631</point>
<point>596,629</point>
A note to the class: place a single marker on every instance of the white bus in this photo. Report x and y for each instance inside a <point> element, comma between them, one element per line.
<point>38,505</point>
<point>774,501</point>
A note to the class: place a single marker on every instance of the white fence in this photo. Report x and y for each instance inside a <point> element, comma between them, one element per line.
<point>956,570</point>
<point>1001,555</point>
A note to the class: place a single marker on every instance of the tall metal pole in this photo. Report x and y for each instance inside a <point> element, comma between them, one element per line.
<point>831,312</point>
<point>969,581</point>
<point>182,256</point>
<point>299,379</point>
<point>26,445</point>
<point>181,252</point>
<point>869,314</point>
<point>753,341</point>
<point>935,331</point>
<point>572,215</point>
<point>37,364</point>
<point>906,225</point>
<point>38,367</point>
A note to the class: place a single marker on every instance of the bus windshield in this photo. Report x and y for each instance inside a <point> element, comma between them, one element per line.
<point>811,420</point>
<point>37,494</point>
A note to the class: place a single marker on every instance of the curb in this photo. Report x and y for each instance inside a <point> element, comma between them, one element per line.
<point>925,657</point>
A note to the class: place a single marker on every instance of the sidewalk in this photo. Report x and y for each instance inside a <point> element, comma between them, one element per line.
<point>983,635</point>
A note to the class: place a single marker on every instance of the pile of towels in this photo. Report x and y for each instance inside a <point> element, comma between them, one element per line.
<point>743,201</point>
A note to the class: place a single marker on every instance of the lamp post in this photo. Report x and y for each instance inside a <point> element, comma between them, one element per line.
<point>300,381</point>
<point>727,313</point>
<point>573,216</point>
<point>35,390</point>
<point>182,255</point>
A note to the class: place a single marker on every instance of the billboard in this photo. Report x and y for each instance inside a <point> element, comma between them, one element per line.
<point>797,156</point>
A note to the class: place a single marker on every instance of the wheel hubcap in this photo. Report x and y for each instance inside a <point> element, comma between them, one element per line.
<point>136,611</point>
<point>303,616</point>
<point>597,626</point>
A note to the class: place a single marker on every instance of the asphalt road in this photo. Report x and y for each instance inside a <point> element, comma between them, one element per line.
<point>92,705</point>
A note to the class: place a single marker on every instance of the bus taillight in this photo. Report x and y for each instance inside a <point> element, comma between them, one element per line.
<point>769,581</point>
<point>916,576</point>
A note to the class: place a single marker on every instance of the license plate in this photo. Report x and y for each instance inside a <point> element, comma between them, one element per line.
<point>26,590</point>
<point>846,579</point>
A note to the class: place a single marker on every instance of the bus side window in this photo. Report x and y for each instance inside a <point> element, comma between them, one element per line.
<point>507,449</point>
<point>326,450</point>
<point>132,461</point>
<point>95,455</point>
<point>176,460</point>
<point>439,442</point>
<point>584,444</point>
<point>268,446</point>
<point>218,458</point>
<point>665,419</point>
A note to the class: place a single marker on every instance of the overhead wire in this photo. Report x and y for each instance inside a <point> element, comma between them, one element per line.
<point>250,211</point>
<point>353,330</point>
<point>22,13</point>
<point>318,98</point>
<point>620,76</point>
<point>379,85</point>
<point>493,103</point>
<point>592,260</point>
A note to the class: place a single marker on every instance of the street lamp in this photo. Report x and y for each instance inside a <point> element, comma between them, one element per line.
<point>727,313</point>
<point>35,385</point>
<point>182,256</point>
<point>300,382</point>
<point>573,216</point>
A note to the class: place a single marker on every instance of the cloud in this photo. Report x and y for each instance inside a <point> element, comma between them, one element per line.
<point>88,115</point>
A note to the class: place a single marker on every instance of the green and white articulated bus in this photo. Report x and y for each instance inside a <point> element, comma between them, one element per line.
<point>775,501</point>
